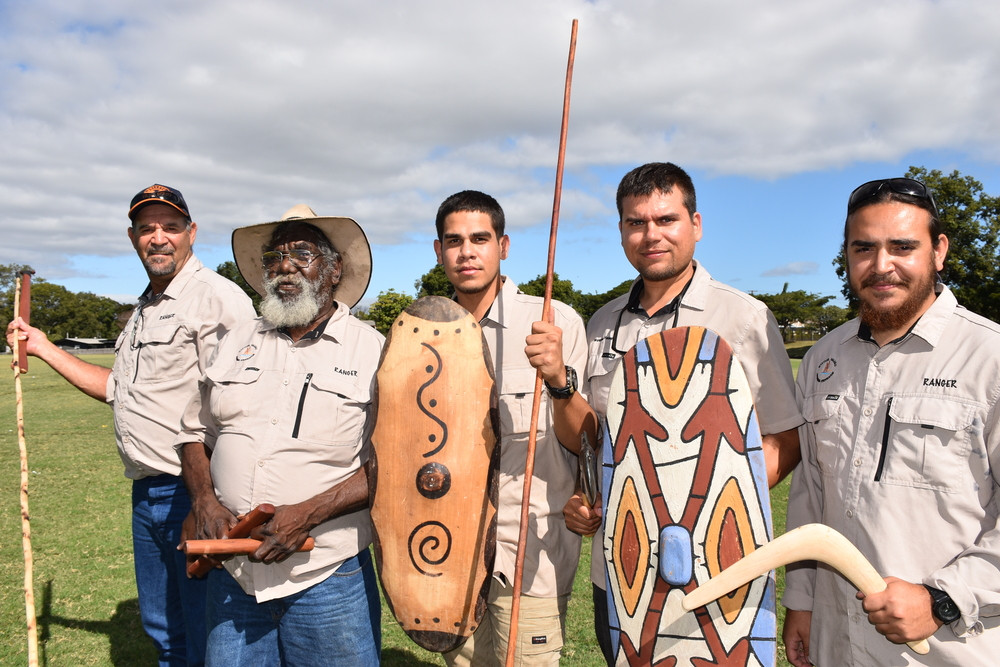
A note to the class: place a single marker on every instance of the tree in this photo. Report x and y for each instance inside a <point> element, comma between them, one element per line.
<point>971,220</point>
<point>831,317</point>
<point>387,307</point>
<point>434,283</point>
<point>230,270</point>
<point>797,306</point>
<point>562,290</point>
<point>591,303</point>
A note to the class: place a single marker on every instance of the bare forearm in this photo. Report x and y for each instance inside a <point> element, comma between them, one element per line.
<point>781,454</point>
<point>571,417</point>
<point>89,378</point>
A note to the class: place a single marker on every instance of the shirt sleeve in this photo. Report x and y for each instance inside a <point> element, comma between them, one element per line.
<point>805,505</point>
<point>972,579</point>
<point>769,374</point>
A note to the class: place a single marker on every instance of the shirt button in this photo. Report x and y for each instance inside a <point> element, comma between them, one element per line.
<point>260,464</point>
<point>274,420</point>
<point>850,514</point>
<point>285,381</point>
<point>868,412</point>
<point>857,463</point>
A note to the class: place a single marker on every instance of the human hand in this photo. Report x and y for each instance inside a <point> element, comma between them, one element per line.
<point>902,612</point>
<point>543,347</point>
<point>795,635</point>
<point>580,517</point>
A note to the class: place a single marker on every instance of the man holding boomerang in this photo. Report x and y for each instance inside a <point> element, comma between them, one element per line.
<point>159,356</point>
<point>900,453</point>
<point>470,245</point>
<point>660,226</point>
<point>282,419</point>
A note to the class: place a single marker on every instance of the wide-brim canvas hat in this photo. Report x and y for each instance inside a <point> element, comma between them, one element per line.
<point>344,234</point>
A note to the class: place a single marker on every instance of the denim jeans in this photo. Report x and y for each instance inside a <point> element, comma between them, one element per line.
<point>172,606</point>
<point>335,622</point>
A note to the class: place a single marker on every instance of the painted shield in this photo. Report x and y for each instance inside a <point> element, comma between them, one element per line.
<point>685,495</point>
<point>433,472</point>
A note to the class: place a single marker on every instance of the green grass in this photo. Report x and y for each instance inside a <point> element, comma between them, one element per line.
<point>85,593</point>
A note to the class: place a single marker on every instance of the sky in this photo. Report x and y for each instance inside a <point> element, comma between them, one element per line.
<point>380,110</point>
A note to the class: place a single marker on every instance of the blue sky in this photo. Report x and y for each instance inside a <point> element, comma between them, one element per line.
<point>380,110</point>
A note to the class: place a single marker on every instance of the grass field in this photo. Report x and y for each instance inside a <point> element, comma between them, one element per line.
<point>83,580</point>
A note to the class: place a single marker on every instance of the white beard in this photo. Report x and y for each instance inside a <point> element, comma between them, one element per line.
<point>297,311</point>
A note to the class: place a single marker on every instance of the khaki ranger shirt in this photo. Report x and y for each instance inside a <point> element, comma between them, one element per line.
<point>552,550</point>
<point>161,353</point>
<point>286,421</point>
<point>741,320</point>
<point>901,453</point>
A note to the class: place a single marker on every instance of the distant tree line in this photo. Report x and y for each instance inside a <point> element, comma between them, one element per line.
<point>971,220</point>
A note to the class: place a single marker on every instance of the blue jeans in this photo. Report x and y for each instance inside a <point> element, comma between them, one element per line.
<point>172,606</point>
<point>335,622</point>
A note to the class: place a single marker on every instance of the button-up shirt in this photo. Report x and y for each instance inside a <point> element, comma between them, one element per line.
<point>552,550</point>
<point>900,453</point>
<point>161,353</point>
<point>741,320</point>
<point>286,421</point>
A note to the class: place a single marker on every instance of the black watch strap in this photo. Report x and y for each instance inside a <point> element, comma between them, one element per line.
<point>568,390</point>
<point>942,606</point>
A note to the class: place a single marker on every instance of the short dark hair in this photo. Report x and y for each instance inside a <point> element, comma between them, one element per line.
<point>656,176</point>
<point>884,195</point>
<point>471,201</point>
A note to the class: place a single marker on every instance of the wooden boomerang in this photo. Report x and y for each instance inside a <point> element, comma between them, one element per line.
<point>812,541</point>
<point>233,547</point>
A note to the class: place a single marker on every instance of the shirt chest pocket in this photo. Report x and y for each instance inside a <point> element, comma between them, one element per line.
<point>161,352</point>
<point>235,395</point>
<point>926,443</point>
<point>822,414</point>
<point>331,413</point>
<point>517,392</point>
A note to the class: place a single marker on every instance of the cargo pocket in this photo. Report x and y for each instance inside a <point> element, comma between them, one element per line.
<point>161,354</point>
<point>927,443</point>
<point>233,394</point>
<point>333,413</point>
<point>822,411</point>
<point>517,391</point>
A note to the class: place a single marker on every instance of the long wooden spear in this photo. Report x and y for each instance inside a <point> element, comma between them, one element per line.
<point>529,466</point>
<point>22,306</point>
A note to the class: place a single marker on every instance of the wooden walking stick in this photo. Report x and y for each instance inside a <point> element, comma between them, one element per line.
<point>529,466</point>
<point>22,305</point>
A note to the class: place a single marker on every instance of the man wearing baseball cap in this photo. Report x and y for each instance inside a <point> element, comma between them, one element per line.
<point>281,418</point>
<point>159,356</point>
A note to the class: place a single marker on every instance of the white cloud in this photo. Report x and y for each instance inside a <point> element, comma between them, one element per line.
<point>379,110</point>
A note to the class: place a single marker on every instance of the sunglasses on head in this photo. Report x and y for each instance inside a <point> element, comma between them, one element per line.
<point>901,186</point>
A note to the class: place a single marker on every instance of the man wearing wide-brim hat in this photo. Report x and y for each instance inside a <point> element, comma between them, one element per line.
<point>281,419</point>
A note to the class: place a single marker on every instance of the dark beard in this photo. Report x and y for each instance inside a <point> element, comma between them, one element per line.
<point>883,319</point>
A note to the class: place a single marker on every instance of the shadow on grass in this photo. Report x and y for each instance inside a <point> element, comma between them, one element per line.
<point>129,643</point>
<point>394,656</point>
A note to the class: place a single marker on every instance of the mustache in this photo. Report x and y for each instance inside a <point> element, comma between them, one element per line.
<point>882,279</point>
<point>161,250</point>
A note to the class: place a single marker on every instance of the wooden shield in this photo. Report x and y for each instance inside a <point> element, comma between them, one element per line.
<point>433,474</point>
<point>685,495</point>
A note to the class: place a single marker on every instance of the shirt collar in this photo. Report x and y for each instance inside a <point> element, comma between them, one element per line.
<point>691,296</point>
<point>497,311</point>
<point>176,284</point>
<point>930,326</point>
<point>332,327</point>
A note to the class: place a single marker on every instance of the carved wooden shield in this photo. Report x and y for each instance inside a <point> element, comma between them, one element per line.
<point>685,495</point>
<point>434,471</point>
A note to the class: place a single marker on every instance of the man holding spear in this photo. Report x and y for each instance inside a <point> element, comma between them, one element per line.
<point>470,245</point>
<point>161,353</point>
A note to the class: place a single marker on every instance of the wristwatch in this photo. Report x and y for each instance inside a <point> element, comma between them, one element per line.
<point>942,606</point>
<point>568,390</point>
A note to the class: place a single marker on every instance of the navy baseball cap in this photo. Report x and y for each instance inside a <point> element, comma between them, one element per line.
<point>158,194</point>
